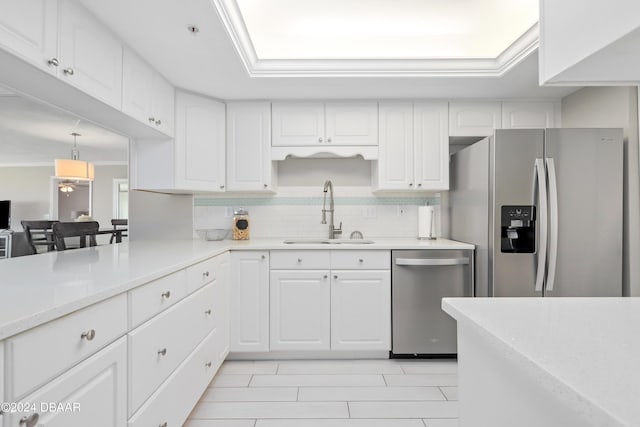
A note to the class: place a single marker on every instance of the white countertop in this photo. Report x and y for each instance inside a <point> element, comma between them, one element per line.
<point>583,350</point>
<point>38,288</point>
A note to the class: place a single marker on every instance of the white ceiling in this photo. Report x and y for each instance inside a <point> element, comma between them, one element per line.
<point>208,62</point>
<point>33,133</point>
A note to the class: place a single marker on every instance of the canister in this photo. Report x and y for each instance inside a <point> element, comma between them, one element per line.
<point>240,225</point>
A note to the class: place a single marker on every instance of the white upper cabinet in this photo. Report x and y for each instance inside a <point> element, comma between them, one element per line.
<point>414,146</point>
<point>200,143</point>
<point>298,123</point>
<point>396,163</point>
<point>146,95</point>
<point>249,166</point>
<point>315,123</point>
<point>351,123</point>
<point>474,118</point>
<point>431,145</point>
<point>90,55</point>
<point>29,29</point>
<point>530,115</point>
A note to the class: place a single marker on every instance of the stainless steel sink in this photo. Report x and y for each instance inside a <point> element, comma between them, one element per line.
<point>328,241</point>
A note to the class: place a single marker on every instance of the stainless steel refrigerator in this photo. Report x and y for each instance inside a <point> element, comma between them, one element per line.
<point>544,209</point>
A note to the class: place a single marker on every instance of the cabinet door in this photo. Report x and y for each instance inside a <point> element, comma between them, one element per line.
<point>298,123</point>
<point>199,144</point>
<point>250,301</point>
<point>137,88</point>
<point>2,416</point>
<point>361,310</point>
<point>248,146</point>
<point>474,118</point>
<point>90,55</point>
<point>96,388</point>
<point>30,30</point>
<point>530,115</point>
<point>352,123</point>
<point>300,310</point>
<point>431,145</point>
<point>395,161</point>
<point>163,102</point>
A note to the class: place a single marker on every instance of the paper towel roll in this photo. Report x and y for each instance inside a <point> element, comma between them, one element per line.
<point>426,222</point>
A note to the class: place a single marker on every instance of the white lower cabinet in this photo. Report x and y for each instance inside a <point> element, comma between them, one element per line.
<point>93,393</point>
<point>222,304</point>
<point>360,310</point>
<point>2,416</point>
<point>250,301</point>
<point>300,310</point>
<point>171,404</point>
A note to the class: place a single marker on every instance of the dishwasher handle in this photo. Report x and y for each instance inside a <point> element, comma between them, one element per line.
<point>432,261</point>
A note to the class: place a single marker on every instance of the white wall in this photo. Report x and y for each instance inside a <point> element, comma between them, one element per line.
<point>616,107</point>
<point>28,189</point>
<point>156,216</point>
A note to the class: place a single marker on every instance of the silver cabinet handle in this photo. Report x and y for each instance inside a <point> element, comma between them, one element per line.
<point>29,421</point>
<point>89,335</point>
<point>152,120</point>
<point>53,62</point>
<point>68,71</point>
<point>166,294</point>
<point>162,352</point>
<point>320,139</point>
<point>208,364</point>
<point>207,312</point>
<point>432,261</point>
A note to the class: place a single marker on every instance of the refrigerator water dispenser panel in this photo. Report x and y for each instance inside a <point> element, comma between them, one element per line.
<point>518,229</point>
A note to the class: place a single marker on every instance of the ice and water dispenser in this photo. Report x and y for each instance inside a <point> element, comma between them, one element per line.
<point>518,229</point>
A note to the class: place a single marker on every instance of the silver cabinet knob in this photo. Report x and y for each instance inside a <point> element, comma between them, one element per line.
<point>152,120</point>
<point>68,71</point>
<point>328,139</point>
<point>207,312</point>
<point>411,184</point>
<point>29,421</point>
<point>162,352</point>
<point>222,187</point>
<point>208,364</point>
<point>89,335</point>
<point>205,274</point>
<point>335,276</point>
<point>325,276</point>
<point>164,424</point>
<point>166,294</point>
<point>360,260</point>
<point>299,259</point>
<point>53,62</point>
<point>320,139</point>
<point>266,185</point>
<point>263,257</point>
<point>419,185</point>
<point>158,122</point>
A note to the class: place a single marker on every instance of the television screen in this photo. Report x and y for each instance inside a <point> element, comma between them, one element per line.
<point>5,214</point>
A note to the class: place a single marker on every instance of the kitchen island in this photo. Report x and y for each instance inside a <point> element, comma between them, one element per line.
<point>548,361</point>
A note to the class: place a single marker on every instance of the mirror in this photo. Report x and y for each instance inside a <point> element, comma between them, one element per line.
<point>32,136</point>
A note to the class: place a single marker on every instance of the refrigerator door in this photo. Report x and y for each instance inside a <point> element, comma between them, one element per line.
<point>514,157</point>
<point>588,167</point>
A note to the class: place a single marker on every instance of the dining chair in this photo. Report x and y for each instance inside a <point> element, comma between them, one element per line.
<point>83,230</point>
<point>39,233</point>
<point>119,233</point>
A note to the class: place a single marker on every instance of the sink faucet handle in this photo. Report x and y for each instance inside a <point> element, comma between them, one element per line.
<point>340,227</point>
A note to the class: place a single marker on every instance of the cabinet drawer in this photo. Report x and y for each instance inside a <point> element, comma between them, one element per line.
<point>36,356</point>
<point>95,392</point>
<point>200,274</point>
<point>303,260</point>
<point>152,298</point>
<point>365,260</point>
<point>174,400</point>
<point>157,347</point>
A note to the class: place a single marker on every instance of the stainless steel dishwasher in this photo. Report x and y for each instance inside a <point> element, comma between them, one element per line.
<point>419,281</point>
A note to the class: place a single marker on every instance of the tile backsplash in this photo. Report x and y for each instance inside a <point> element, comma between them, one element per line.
<point>275,217</point>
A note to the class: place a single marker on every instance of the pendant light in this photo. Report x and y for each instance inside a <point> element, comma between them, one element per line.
<point>74,169</point>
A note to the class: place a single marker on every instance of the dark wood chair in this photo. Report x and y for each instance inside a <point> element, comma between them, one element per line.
<point>84,230</point>
<point>39,233</point>
<point>118,231</point>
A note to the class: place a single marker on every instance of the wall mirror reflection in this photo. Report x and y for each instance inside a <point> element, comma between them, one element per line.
<point>57,167</point>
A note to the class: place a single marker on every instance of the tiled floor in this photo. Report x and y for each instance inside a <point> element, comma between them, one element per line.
<point>339,393</point>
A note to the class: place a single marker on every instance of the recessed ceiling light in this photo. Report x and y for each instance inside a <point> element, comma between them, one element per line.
<point>193,29</point>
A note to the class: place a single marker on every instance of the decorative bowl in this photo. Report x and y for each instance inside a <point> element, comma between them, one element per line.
<point>213,234</point>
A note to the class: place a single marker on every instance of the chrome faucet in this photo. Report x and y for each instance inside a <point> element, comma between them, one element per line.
<point>333,231</point>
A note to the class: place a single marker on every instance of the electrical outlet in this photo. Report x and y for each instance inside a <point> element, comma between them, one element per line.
<point>228,212</point>
<point>369,212</point>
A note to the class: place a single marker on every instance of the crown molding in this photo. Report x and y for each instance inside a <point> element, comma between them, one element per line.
<point>233,22</point>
